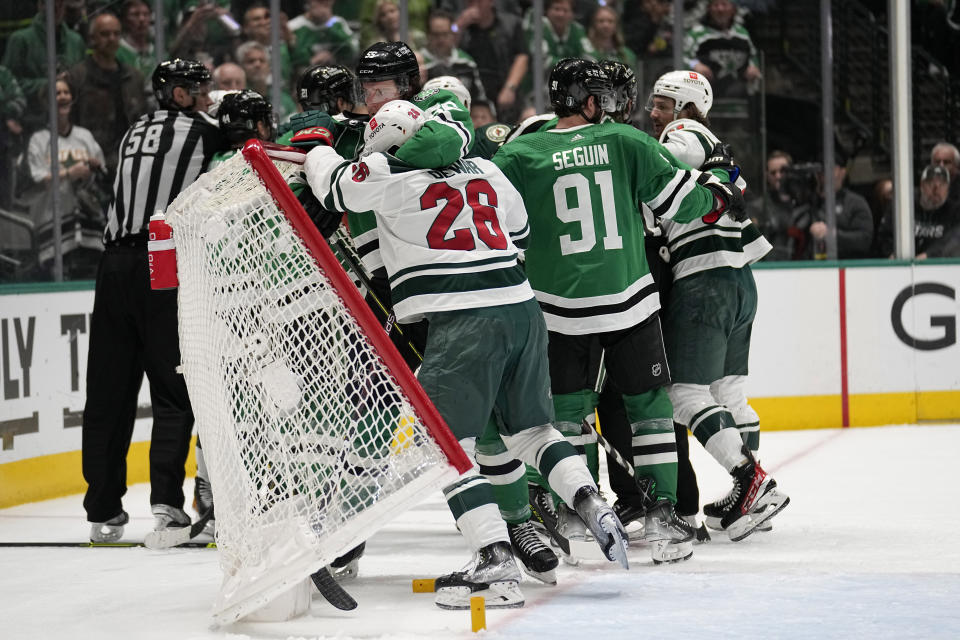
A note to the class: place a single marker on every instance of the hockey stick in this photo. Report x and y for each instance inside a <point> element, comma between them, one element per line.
<point>176,537</point>
<point>331,591</point>
<point>644,485</point>
<point>348,255</point>
<point>102,545</point>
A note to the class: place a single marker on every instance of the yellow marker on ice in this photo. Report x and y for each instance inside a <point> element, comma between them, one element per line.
<point>423,586</point>
<point>478,613</point>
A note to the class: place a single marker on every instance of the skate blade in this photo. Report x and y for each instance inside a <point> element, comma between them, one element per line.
<point>498,595</point>
<point>755,519</point>
<point>546,577</point>
<point>662,552</point>
<point>616,547</point>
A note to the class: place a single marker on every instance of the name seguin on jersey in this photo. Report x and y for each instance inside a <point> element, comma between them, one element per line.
<point>581,157</point>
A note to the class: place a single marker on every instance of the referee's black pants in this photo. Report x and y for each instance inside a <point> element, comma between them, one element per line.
<point>133,331</point>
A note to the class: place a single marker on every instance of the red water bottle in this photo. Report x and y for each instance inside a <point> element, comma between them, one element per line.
<point>161,254</point>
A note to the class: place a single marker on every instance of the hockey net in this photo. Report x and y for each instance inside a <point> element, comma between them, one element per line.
<point>314,432</point>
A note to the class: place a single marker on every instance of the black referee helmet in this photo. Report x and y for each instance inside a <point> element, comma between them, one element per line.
<point>188,74</point>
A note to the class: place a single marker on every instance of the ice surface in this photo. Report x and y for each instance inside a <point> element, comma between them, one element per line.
<point>867,549</point>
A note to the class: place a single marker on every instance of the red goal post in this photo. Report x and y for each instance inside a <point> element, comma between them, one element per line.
<point>315,433</point>
<point>258,155</point>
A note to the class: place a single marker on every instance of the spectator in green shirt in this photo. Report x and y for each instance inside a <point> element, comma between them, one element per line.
<point>136,45</point>
<point>26,58</point>
<point>322,37</point>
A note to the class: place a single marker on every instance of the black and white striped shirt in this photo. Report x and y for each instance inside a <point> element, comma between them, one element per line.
<point>160,155</point>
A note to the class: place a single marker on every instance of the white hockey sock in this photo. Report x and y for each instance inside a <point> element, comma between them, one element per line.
<point>544,446</point>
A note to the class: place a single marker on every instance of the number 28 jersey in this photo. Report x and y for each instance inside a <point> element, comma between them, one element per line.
<point>447,236</point>
<point>582,185</point>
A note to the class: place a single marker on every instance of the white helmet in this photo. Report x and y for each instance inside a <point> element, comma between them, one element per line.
<point>393,124</point>
<point>453,84</point>
<point>685,87</point>
<point>216,97</point>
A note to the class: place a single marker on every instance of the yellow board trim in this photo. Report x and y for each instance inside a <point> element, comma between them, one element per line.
<point>60,474</point>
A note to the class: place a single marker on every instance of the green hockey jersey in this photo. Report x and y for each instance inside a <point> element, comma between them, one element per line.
<point>581,187</point>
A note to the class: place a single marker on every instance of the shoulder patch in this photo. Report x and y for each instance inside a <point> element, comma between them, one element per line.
<point>497,133</point>
<point>426,93</point>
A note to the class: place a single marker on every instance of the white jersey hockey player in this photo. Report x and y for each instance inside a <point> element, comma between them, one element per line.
<point>710,315</point>
<point>448,244</point>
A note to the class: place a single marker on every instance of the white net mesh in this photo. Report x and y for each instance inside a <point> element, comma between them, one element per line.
<point>311,443</point>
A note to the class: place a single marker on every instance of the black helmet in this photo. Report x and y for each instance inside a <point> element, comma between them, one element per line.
<point>624,85</point>
<point>178,72</point>
<point>391,61</point>
<point>320,86</point>
<point>239,114</point>
<point>573,80</point>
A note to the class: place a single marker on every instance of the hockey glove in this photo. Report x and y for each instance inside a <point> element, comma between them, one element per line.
<point>312,137</point>
<point>307,119</point>
<point>722,158</point>
<point>727,199</point>
<point>325,221</point>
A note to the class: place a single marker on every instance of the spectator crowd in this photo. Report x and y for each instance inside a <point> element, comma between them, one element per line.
<point>105,54</point>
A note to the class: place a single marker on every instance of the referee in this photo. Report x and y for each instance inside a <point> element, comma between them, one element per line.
<point>134,329</point>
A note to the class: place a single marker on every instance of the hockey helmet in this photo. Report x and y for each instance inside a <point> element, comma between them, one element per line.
<point>239,114</point>
<point>685,87</point>
<point>395,123</point>
<point>573,80</point>
<point>320,86</point>
<point>451,84</point>
<point>391,61</point>
<point>189,74</point>
<point>624,85</point>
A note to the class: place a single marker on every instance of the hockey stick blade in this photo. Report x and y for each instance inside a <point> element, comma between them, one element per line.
<point>169,538</point>
<point>331,591</point>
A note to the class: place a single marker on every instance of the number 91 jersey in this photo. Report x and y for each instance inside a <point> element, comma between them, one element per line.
<point>582,186</point>
<point>448,237</point>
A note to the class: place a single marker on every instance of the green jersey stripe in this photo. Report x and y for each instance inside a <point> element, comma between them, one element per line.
<point>454,267</point>
<point>418,285</point>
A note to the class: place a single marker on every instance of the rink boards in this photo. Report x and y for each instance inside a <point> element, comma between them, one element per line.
<point>840,344</point>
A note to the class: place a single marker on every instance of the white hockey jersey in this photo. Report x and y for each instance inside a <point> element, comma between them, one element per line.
<point>447,236</point>
<point>698,246</point>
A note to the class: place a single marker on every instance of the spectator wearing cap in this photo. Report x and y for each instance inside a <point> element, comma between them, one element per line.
<point>948,156</point>
<point>936,219</point>
<point>854,221</point>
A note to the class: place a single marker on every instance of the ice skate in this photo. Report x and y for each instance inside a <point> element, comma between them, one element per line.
<point>755,500</point>
<point>603,524</point>
<point>667,551</point>
<point>167,517</point>
<point>663,523</point>
<point>536,558</point>
<point>109,531</point>
<point>203,502</point>
<point>545,516</point>
<point>492,573</point>
<point>631,516</point>
<point>347,566</point>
